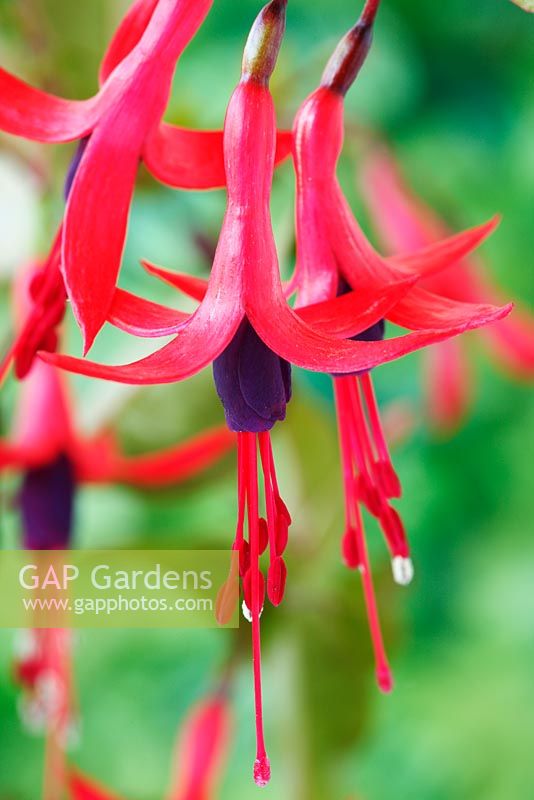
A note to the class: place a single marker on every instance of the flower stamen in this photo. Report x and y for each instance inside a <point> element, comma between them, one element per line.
<point>262,769</point>
<point>271,533</point>
<point>354,544</point>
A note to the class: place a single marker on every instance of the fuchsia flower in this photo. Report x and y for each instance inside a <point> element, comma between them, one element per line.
<point>245,326</point>
<point>333,257</point>
<point>200,755</point>
<point>404,222</point>
<point>53,460</point>
<point>118,127</point>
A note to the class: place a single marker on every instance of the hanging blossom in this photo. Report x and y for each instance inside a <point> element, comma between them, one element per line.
<point>201,753</point>
<point>404,222</point>
<point>245,327</point>
<point>334,257</point>
<point>118,128</point>
<point>53,460</point>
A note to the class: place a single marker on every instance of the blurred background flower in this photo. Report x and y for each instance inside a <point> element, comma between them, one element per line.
<point>450,85</point>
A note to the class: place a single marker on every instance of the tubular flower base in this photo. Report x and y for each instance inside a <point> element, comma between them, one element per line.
<point>200,755</point>
<point>404,222</point>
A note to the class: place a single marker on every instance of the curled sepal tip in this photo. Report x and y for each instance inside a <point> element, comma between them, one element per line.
<point>348,57</point>
<point>264,41</point>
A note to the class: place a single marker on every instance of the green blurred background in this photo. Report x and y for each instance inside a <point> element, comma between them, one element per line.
<point>451,85</point>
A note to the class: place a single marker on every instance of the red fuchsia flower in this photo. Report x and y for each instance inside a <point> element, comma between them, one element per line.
<point>333,257</point>
<point>404,222</point>
<point>200,756</point>
<point>245,327</point>
<point>118,127</point>
<point>53,460</point>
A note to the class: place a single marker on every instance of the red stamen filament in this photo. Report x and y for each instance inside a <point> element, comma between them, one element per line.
<point>383,672</point>
<point>241,495</point>
<point>361,439</point>
<point>374,417</point>
<point>248,447</point>
<point>355,527</point>
<point>270,502</point>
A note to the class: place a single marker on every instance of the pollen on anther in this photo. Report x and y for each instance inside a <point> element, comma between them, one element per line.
<point>402,570</point>
<point>247,612</point>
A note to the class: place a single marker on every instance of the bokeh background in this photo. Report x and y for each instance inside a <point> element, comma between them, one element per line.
<point>450,84</point>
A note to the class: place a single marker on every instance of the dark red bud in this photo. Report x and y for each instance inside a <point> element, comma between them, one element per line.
<point>348,57</point>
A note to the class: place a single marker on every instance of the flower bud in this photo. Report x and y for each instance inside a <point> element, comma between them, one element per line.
<point>264,41</point>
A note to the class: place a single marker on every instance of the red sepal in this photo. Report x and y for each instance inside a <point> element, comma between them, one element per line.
<point>42,117</point>
<point>101,461</point>
<point>189,159</point>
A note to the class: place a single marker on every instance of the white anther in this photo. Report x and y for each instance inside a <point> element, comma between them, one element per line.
<point>402,570</point>
<point>247,613</point>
